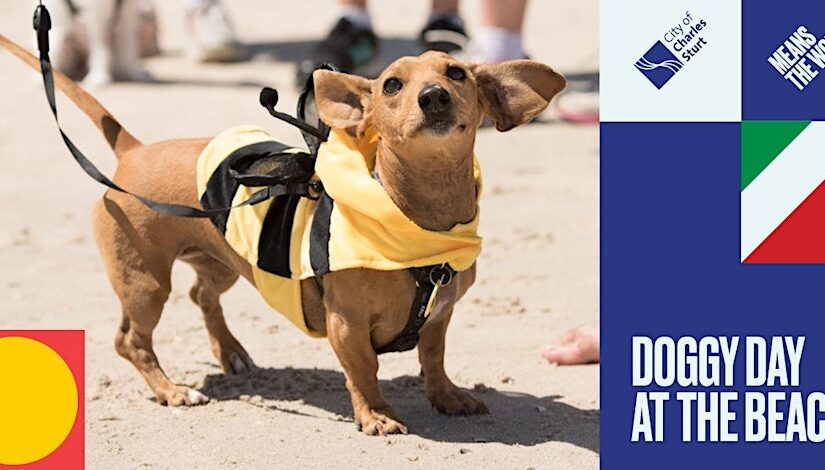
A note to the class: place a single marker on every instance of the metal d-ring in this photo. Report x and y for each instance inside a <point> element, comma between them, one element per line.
<point>445,278</point>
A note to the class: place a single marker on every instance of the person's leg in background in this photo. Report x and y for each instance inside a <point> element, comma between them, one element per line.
<point>444,29</point>
<point>499,36</point>
<point>349,45</point>
<point>211,37</point>
<point>148,45</point>
<point>113,43</point>
<point>356,12</point>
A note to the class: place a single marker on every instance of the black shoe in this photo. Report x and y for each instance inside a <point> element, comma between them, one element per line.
<point>347,46</point>
<point>445,34</point>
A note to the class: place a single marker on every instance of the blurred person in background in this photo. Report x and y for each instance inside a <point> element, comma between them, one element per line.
<point>101,41</point>
<point>351,44</point>
<point>105,43</point>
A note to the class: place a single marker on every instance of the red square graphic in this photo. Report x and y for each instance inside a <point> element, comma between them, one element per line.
<point>41,399</point>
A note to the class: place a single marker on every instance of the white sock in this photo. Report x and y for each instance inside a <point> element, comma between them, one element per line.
<point>499,44</point>
<point>358,16</point>
<point>197,4</point>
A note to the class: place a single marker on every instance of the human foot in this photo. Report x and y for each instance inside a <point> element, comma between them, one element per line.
<point>577,346</point>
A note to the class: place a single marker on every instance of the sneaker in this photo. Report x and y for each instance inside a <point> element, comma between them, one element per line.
<point>211,36</point>
<point>444,33</point>
<point>348,47</point>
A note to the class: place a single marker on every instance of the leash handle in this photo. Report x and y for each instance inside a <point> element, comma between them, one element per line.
<point>42,24</point>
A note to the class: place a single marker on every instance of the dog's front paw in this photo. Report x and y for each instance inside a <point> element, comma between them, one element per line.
<point>182,396</point>
<point>380,423</point>
<point>456,402</point>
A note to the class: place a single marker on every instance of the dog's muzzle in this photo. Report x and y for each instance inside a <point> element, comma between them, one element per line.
<point>437,106</point>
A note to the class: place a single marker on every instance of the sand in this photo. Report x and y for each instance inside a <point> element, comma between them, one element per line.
<point>538,274</point>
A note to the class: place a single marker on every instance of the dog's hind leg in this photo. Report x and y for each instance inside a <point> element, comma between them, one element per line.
<point>213,279</point>
<point>140,272</point>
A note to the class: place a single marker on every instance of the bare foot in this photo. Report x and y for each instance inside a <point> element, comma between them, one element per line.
<point>577,346</point>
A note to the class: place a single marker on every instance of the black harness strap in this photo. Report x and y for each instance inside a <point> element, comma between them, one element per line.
<point>426,279</point>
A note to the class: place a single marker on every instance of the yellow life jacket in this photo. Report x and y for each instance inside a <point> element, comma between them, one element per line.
<point>354,224</point>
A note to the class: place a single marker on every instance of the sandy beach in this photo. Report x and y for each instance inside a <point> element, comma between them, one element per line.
<point>538,272</point>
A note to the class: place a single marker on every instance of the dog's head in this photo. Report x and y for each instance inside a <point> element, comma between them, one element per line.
<point>435,100</point>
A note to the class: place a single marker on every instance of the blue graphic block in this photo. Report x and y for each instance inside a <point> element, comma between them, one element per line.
<point>669,267</point>
<point>766,93</point>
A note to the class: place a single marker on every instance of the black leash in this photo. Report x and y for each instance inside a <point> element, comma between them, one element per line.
<point>42,24</point>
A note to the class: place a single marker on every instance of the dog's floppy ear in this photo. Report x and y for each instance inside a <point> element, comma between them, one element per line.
<point>342,99</point>
<point>514,92</point>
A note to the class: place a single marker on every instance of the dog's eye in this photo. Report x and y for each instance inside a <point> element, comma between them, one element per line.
<point>456,73</point>
<point>392,86</point>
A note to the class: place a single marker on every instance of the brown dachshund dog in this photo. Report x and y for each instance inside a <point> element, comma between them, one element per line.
<point>425,111</point>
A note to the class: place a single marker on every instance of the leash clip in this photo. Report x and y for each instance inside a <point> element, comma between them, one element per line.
<point>441,275</point>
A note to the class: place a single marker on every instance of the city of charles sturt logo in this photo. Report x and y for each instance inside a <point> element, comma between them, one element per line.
<point>684,37</point>
<point>658,64</point>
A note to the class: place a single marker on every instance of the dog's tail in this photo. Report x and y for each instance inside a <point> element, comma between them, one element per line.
<point>118,138</point>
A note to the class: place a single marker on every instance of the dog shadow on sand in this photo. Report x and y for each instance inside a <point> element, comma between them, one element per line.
<point>515,418</point>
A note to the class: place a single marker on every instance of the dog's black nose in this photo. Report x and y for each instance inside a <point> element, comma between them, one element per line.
<point>433,99</point>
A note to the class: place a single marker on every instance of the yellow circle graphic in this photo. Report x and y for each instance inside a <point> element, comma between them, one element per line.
<point>38,400</point>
